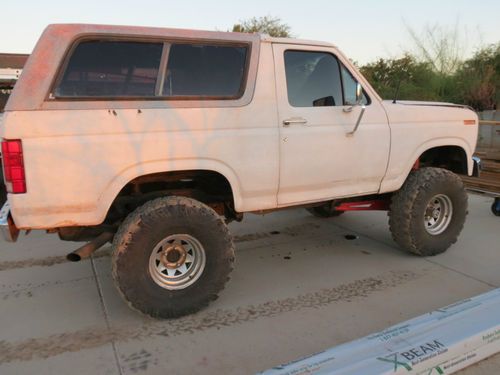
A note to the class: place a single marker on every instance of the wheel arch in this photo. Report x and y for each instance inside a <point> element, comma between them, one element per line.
<point>453,158</point>
<point>162,167</point>
<point>453,154</point>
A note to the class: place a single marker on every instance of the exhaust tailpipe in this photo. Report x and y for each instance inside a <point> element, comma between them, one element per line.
<point>86,250</point>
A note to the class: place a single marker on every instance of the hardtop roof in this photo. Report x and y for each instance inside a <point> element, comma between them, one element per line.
<point>41,68</point>
<point>270,39</point>
<point>176,33</point>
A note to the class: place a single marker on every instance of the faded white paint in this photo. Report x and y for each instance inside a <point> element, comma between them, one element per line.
<point>80,156</point>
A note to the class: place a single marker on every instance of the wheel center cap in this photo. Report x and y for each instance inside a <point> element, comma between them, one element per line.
<point>173,256</point>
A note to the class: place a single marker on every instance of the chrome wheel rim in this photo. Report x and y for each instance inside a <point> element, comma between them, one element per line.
<point>177,261</point>
<point>438,214</point>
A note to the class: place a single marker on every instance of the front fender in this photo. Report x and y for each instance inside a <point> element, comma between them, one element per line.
<point>399,170</point>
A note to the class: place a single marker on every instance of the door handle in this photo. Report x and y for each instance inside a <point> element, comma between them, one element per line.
<point>295,121</point>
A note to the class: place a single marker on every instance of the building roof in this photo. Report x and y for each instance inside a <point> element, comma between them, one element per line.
<point>12,60</point>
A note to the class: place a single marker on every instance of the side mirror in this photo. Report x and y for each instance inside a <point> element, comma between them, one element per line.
<point>359,102</point>
<point>359,94</point>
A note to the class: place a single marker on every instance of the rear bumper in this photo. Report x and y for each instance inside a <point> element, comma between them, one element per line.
<point>8,229</point>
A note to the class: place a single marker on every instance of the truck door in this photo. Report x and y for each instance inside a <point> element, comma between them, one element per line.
<point>318,159</point>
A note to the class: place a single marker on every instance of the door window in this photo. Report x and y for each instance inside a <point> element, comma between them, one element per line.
<point>313,79</point>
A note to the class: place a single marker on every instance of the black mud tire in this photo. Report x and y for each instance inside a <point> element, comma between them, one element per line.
<point>409,204</point>
<point>324,211</point>
<point>143,229</point>
<point>495,207</point>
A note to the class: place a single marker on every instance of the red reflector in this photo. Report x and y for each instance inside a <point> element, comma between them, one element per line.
<point>14,147</point>
<point>469,122</point>
<point>13,164</point>
<point>16,174</point>
<point>18,187</point>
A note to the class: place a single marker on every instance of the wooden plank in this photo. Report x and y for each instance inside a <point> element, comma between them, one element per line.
<point>487,122</point>
<point>492,166</point>
<point>488,153</point>
<point>490,186</point>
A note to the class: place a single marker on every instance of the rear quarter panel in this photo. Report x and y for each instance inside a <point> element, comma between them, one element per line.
<point>79,155</point>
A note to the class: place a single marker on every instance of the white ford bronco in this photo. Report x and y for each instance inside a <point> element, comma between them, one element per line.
<point>155,139</point>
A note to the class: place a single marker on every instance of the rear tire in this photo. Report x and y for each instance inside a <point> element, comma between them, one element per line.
<point>428,213</point>
<point>171,257</point>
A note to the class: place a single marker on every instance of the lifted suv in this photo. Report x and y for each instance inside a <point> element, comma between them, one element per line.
<point>156,138</point>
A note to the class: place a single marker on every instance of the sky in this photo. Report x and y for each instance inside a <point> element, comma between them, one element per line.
<point>365,30</point>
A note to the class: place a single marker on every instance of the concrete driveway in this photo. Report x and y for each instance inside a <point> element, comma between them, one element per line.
<point>299,286</point>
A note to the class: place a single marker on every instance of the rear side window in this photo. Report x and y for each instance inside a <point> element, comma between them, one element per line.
<point>204,70</point>
<point>111,69</point>
<point>313,79</point>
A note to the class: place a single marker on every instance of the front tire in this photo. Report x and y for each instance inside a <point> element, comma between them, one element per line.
<point>171,257</point>
<point>428,213</point>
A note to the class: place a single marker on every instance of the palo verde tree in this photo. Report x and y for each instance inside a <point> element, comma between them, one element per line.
<point>416,80</point>
<point>443,47</point>
<point>267,25</point>
<point>478,79</point>
<point>475,83</point>
<point>434,68</point>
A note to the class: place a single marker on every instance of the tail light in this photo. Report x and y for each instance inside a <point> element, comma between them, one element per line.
<point>13,164</point>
